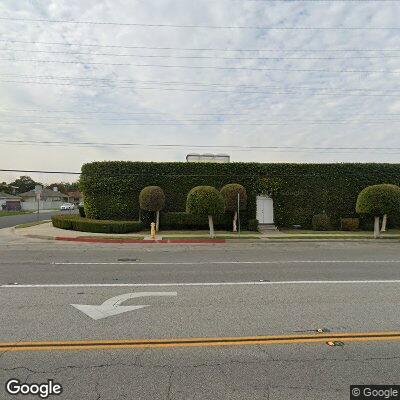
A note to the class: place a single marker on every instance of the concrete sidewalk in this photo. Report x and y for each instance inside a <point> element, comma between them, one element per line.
<point>47,232</point>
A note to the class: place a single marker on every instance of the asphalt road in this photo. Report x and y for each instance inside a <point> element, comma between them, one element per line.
<point>219,291</point>
<point>13,220</point>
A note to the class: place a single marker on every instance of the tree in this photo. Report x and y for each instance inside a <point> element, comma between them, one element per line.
<point>205,201</point>
<point>379,201</point>
<point>24,184</point>
<point>232,194</point>
<point>152,198</point>
<point>64,187</point>
<point>5,188</point>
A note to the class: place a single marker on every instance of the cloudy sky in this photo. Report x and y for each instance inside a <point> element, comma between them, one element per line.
<point>294,75</point>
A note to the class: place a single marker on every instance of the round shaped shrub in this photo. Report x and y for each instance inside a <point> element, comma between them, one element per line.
<point>321,222</point>
<point>230,194</point>
<point>205,200</point>
<point>378,200</point>
<point>152,198</point>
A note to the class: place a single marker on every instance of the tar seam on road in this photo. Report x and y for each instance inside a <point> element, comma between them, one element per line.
<point>232,262</point>
<point>63,285</point>
<point>202,342</point>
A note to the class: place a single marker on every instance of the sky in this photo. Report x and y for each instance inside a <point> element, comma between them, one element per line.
<point>144,75</point>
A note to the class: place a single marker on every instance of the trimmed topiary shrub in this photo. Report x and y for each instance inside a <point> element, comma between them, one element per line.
<point>349,224</point>
<point>205,201</point>
<point>321,222</point>
<point>379,201</point>
<point>77,223</point>
<point>152,198</point>
<point>234,193</point>
<point>253,225</point>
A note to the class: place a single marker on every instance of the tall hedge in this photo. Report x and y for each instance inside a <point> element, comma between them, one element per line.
<point>111,189</point>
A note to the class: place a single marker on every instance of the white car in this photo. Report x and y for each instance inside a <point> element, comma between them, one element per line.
<point>67,206</point>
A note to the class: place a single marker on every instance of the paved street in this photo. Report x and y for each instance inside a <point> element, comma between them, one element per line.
<point>13,220</point>
<point>58,292</point>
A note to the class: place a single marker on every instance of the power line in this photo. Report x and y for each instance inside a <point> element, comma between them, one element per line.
<point>52,111</point>
<point>154,175</point>
<point>198,146</point>
<point>105,23</point>
<point>195,48</point>
<point>213,57</point>
<point>46,117</point>
<point>191,83</point>
<point>40,172</point>
<point>287,92</point>
<point>209,67</point>
<point>198,122</point>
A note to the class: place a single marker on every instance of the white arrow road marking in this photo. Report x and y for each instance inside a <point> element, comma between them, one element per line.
<point>113,306</point>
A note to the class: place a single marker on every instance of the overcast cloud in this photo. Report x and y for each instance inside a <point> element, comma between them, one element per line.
<point>100,94</point>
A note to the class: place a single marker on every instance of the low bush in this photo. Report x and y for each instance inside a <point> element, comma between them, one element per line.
<point>77,223</point>
<point>82,211</point>
<point>253,225</point>
<point>63,221</point>
<point>186,221</point>
<point>183,220</point>
<point>349,224</point>
<point>321,222</point>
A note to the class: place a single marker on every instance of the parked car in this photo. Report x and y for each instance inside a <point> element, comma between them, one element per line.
<point>67,206</point>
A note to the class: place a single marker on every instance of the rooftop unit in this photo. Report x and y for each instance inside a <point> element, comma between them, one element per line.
<point>216,158</point>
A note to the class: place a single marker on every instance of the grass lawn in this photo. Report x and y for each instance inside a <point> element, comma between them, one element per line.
<point>113,237</point>
<point>33,223</point>
<point>8,213</point>
<point>204,234</point>
<point>309,234</point>
<point>208,237</point>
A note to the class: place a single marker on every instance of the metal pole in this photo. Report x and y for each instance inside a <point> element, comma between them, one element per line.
<point>238,213</point>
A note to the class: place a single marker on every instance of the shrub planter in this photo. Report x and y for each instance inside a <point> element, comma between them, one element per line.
<point>77,223</point>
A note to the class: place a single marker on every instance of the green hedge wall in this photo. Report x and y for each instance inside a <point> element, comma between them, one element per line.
<point>111,188</point>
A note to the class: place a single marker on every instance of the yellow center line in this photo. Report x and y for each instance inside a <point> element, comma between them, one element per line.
<point>325,337</point>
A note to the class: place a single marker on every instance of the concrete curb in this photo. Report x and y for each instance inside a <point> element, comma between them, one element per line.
<point>206,241</point>
<point>140,241</point>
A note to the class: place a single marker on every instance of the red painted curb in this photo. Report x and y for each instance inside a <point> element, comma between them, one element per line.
<point>176,241</point>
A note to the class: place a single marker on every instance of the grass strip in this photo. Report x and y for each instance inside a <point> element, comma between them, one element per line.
<point>29,224</point>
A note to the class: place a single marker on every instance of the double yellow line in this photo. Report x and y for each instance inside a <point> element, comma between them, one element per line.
<point>201,342</point>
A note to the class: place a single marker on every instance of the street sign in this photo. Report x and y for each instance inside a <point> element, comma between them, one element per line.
<point>113,306</point>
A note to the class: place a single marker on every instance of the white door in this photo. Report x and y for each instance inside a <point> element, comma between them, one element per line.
<point>265,210</point>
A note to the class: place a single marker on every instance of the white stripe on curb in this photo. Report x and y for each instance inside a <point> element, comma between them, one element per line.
<point>50,285</point>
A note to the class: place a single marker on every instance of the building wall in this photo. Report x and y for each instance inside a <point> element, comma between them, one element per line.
<point>43,205</point>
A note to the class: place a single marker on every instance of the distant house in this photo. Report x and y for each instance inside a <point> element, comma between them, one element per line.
<point>49,199</point>
<point>9,202</point>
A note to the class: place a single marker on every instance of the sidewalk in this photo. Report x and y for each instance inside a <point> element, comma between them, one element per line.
<point>48,232</point>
